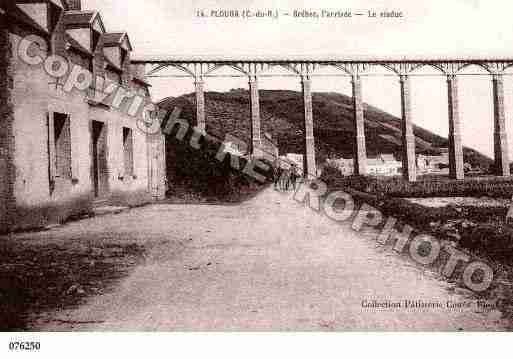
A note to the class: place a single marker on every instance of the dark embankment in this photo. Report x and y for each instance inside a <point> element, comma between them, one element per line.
<point>201,173</point>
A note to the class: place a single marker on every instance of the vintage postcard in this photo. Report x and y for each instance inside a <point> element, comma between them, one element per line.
<point>276,166</point>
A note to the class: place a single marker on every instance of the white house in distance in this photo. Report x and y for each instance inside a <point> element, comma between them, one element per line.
<point>382,165</point>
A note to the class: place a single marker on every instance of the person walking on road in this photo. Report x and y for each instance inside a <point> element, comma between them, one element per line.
<point>284,179</point>
<point>294,177</point>
<point>276,176</point>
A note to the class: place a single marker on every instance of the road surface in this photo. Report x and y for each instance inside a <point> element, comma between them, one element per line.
<point>267,264</point>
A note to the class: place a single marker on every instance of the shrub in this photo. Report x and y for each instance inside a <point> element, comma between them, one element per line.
<point>489,236</point>
<point>428,186</point>
<point>493,240</point>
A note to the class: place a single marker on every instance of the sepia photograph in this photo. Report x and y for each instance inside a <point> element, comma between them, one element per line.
<point>241,166</point>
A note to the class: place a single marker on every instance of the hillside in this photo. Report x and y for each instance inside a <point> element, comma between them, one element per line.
<point>282,116</point>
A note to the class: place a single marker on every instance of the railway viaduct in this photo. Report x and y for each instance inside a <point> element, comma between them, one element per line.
<point>200,67</point>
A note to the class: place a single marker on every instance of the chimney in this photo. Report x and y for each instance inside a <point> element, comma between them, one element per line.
<point>74,4</point>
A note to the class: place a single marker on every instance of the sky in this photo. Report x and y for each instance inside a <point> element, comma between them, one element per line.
<point>436,28</point>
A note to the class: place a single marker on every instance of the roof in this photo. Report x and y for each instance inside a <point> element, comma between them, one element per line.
<point>82,18</point>
<point>433,158</point>
<point>75,17</point>
<point>113,38</point>
<point>61,3</point>
<point>18,14</point>
<point>380,162</point>
<point>116,39</point>
<point>370,161</point>
<point>387,157</point>
<point>374,162</point>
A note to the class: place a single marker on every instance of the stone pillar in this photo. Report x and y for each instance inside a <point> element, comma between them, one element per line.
<point>500,137</point>
<point>360,152</point>
<point>256,140</point>
<point>200,106</point>
<point>309,166</point>
<point>456,170</point>
<point>408,138</point>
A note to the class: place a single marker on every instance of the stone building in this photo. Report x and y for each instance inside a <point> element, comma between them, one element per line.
<point>382,165</point>
<point>69,140</point>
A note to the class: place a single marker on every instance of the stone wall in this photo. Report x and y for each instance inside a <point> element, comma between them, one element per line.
<point>7,173</point>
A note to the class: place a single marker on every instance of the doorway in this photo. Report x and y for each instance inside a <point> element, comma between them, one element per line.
<point>99,158</point>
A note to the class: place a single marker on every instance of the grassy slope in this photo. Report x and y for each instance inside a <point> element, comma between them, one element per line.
<point>282,116</point>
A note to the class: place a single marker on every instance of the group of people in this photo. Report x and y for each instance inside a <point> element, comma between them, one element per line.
<point>286,178</point>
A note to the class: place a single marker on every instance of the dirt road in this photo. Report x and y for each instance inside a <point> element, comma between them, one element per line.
<point>267,264</point>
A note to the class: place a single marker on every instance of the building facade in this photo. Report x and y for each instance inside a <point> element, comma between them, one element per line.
<point>70,139</point>
<point>382,165</point>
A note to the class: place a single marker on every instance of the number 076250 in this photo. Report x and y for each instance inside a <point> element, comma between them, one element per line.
<point>24,346</point>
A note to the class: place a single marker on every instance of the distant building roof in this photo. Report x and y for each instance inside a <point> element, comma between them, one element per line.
<point>442,157</point>
<point>379,161</point>
<point>374,162</point>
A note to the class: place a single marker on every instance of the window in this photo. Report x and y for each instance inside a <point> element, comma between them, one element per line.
<point>128,152</point>
<point>124,55</point>
<point>62,136</point>
<point>90,67</point>
<point>95,39</point>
